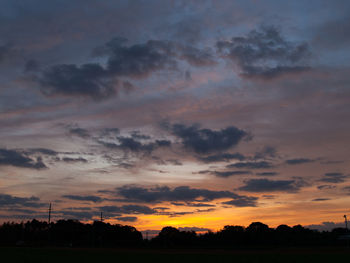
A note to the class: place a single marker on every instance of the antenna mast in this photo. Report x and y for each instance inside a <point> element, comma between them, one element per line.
<point>49,213</point>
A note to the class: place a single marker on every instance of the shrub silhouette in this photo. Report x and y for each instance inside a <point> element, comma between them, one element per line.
<point>73,233</point>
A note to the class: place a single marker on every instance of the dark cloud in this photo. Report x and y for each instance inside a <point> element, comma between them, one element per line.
<point>135,61</point>
<point>190,196</point>
<point>6,51</point>
<point>299,161</point>
<point>267,174</point>
<point>320,199</point>
<point>74,160</point>
<point>334,178</point>
<point>90,198</point>
<point>90,80</point>
<point>13,201</point>
<point>266,185</point>
<point>126,165</point>
<point>142,59</point>
<point>19,159</point>
<point>80,215</point>
<point>269,196</point>
<point>243,201</point>
<point>133,145</point>
<point>223,157</point>
<point>31,65</point>
<point>333,34</point>
<point>229,173</point>
<point>127,218</point>
<point>42,151</point>
<point>83,133</point>
<point>110,132</point>
<point>161,208</point>
<point>191,204</point>
<point>205,141</point>
<point>135,142</point>
<point>128,209</point>
<point>266,152</point>
<point>251,165</point>
<point>264,53</point>
<point>194,56</point>
<point>347,188</point>
<point>176,214</point>
<point>174,162</point>
<point>137,135</point>
<point>180,193</point>
<point>331,162</point>
<point>325,187</point>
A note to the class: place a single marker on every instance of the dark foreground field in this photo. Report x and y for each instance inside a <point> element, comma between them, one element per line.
<point>65,255</point>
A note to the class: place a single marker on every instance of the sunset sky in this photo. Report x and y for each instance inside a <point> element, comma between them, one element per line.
<point>183,113</point>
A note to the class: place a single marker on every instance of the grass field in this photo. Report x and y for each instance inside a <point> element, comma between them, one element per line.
<point>65,255</point>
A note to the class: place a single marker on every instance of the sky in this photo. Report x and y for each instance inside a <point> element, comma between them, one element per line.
<point>175,113</point>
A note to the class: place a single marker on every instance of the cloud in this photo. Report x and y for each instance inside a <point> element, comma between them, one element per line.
<point>80,132</point>
<point>164,193</point>
<point>320,199</point>
<point>229,173</point>
<point>266,185</point>
<point>91,198</point>
<point>133,145</point>
<point>243,201</point>
<point>264,53</point>
<point>190,196</point>
<point>110,132</point>
<point>222,157</point>
<point>42,151</point>
<point>251,165</point>
<point>31,65</point>
<point>6,51</point>
<point>174,162</point>
<point>267,174</point>
<point>334,178</point>
<point>81,215</point>
<point>74,160</point>
<point>332,34</point>
<point>299,161</point>
<point>90,80</point>
<point>325,187</point>
<point>347,188</point>
<point>191,204</point>
<point>128,209</point>
<point>142,59</point>
<point>19,159</point>
<point>266,152</point>
<point>204,141</point>
<point>10,201</point>
<point>136,61</point>
<point>137,135</point>
<point>127,218</point>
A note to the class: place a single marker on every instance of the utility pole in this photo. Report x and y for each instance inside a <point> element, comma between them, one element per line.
<point>101,217</point>
<point>49,213</point>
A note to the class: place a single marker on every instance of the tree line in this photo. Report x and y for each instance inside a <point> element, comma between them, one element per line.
<point>72,233</point>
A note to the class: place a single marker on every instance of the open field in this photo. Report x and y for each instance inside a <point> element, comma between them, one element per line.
<point>66,255</point>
